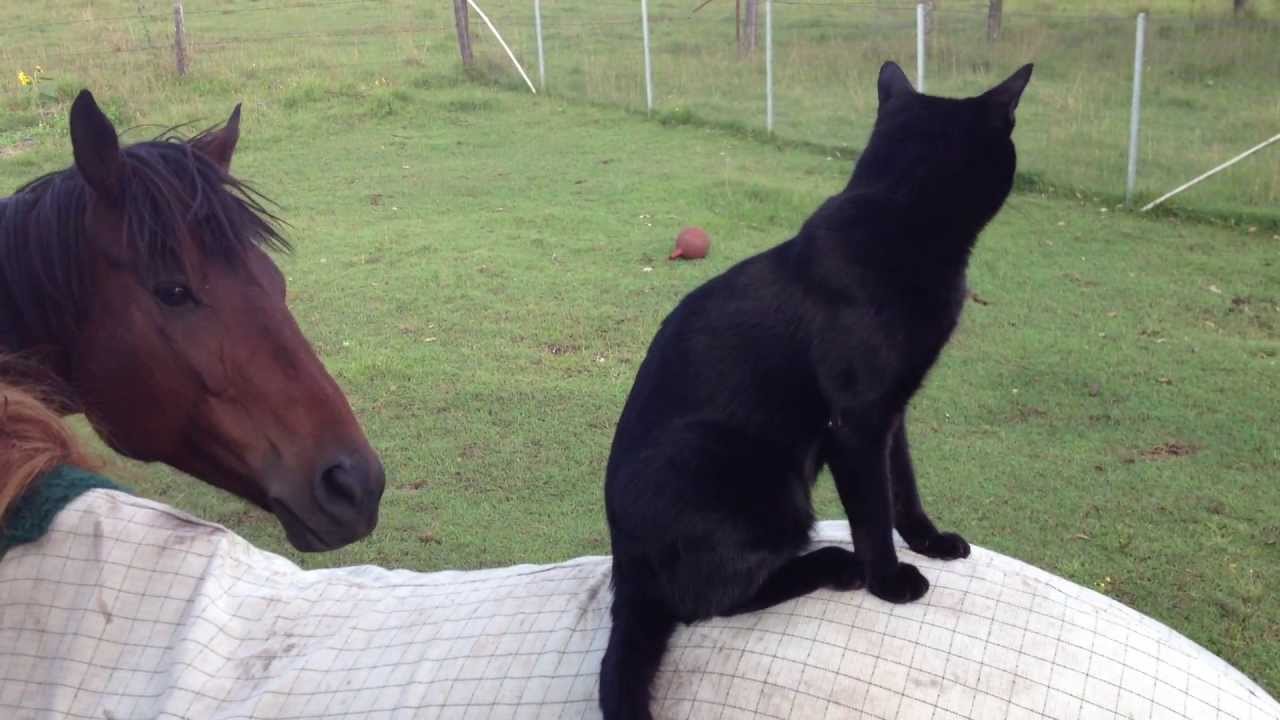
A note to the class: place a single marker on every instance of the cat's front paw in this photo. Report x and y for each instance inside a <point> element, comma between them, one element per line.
<point>843,569</point>
<point>902,585</point>
<point>851,577</point>
<point>942,546</point>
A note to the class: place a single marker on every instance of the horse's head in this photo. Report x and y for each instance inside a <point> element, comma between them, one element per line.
<point>186,352</point>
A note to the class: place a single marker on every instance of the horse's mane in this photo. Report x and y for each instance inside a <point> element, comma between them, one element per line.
<point>33,440</point>
<point>169,188</point>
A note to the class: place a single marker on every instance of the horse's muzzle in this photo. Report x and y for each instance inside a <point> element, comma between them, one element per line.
<point>342,507</point>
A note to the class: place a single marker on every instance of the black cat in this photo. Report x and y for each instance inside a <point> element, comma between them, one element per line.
<point>801,356</point>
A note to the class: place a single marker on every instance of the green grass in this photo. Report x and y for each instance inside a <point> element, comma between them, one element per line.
<point>483,270</point>
<point>1209,88</point>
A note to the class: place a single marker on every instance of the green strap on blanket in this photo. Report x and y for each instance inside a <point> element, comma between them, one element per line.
<point>32,515</point>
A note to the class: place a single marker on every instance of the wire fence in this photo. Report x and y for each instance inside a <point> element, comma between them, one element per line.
<point>1209,91</point>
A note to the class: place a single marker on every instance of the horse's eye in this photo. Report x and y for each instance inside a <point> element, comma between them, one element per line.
<point>173,294</point>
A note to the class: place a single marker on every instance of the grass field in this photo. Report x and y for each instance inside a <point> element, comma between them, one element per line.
<point>483,271</point>
<point>1209,86</point>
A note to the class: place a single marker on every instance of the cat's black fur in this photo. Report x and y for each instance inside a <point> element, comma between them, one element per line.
<point>803,356</point>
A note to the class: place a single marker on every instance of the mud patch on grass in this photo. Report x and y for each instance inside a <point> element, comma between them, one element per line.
<point>17,148</point>
<point>1026,413</point>
<point>1165,451</point>
<point>559,349</point>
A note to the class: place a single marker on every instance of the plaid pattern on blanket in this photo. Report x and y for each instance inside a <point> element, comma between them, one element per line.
<point>130,609</point>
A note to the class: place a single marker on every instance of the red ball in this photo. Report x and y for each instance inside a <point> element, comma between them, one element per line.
<point>691,244</point>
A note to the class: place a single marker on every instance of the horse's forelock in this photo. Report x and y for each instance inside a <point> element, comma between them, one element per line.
<point>172,189</point>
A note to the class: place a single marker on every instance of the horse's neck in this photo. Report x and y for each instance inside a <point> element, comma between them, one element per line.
<point>27,365</point>
<point>34,367</point>
<point>10,338</point>
<point>10,342</point>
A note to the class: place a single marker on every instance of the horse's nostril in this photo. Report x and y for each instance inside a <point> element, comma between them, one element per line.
<point>347,493</point>
<point>340,486</point>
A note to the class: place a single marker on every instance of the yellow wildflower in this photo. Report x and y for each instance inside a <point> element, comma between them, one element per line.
<point>23,79</point>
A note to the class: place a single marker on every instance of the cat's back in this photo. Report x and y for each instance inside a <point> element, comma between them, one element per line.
<point>734,345</point>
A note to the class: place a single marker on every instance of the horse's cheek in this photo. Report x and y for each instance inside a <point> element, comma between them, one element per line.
<point>204,344</point>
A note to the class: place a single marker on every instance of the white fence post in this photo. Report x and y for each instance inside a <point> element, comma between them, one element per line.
<point>768,65</point>
<point>920,19</point>
<point>1131,177</point>
<point>537,25</point>
<point>648,63</point>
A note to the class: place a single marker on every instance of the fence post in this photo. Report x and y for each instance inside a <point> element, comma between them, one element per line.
<point>648,63</point>
<point>179,38</point>
<point>462,21</point>
<point>537,24</point>
<point>920,29</point>
<point>995,15</point>
<point>929,7</point>
<point>749,29</point>
<point>768,65</point>
<point>1131,177</point>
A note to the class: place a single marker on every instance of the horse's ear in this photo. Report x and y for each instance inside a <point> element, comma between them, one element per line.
<point>219,145</point>
<point>96,147</point>
<point>1004,97</point>
<point>893,82</point>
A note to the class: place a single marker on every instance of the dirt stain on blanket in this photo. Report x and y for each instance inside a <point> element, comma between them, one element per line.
<point>104,608</point>
<point>257,665</point>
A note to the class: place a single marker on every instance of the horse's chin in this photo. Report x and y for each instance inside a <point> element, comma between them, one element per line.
<point>302,536</point>
<point>205,467</point>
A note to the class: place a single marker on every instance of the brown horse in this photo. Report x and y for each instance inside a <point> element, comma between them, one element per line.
<point>137,285</point>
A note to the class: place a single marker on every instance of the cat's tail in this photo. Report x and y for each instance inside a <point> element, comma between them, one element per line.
<point>641,629</point>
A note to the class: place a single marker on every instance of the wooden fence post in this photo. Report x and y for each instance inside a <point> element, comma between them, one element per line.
<point>462,19</point>
<point>995,17</point>
<point>179,38</point>
<point>747,40</point>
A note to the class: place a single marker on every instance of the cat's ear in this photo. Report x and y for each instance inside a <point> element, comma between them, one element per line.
<point>893,82</point>
<point>1003,98</point>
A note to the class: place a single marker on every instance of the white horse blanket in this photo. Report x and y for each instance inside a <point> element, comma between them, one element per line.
<point>128,609</point>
